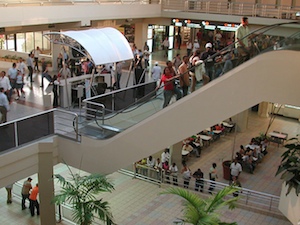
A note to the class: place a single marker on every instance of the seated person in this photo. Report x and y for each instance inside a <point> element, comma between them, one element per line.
<point>220,127</point>
<point>242,150</point>
<point>189,148</point>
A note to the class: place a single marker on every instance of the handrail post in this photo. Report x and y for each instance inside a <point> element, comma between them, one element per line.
<point>16,134</point>
<point>247,197</point>
<point>59,213</point>
<point>76,127</point>
<point>271,204</point>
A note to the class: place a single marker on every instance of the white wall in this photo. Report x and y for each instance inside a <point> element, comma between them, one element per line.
<point>290,205</point>
<point>36,15</point>
<point>268,77</point>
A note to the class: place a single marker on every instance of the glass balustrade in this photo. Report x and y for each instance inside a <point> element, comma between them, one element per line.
<point>121,109</point>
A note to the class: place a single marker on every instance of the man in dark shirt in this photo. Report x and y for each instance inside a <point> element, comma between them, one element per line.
<point>210,61</point>
<point>198,175</point>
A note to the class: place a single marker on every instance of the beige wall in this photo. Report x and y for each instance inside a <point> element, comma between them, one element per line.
<point>21,163</point>
<point>290,205</point>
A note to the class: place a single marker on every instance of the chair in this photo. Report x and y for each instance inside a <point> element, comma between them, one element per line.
<point>276,132</point>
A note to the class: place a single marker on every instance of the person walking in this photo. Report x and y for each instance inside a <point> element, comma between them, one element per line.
<point>33,201</point>
<point>29,62</point>
<point>9,194</point>
<point>25,191</point>
<point>36,52</point>
<point>5,84</point>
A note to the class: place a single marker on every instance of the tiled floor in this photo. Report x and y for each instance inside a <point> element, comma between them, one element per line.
<point>138,202</point>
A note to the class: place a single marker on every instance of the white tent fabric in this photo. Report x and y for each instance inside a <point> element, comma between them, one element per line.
<point>104,45</point>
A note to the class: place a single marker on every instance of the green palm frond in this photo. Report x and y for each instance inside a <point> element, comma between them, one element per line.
<point>198,211</point>
<point>80,192</point>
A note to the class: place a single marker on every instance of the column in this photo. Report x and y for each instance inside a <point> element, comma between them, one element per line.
<point>241,121</point>
<point>140,34</point>
<point>46,185</point>
<point>56,49</point>
<point>263,109</point>
<point>176,156</point>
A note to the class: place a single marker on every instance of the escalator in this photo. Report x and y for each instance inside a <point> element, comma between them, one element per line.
<point>272,75</point>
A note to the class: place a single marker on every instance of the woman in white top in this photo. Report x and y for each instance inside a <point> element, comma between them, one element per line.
<point>186,175</point>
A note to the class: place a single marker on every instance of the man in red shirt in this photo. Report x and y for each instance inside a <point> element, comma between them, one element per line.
<point>33,201</point>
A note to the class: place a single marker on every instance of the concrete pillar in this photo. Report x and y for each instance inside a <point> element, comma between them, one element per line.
<point>241,120</point>
<point>56,49</point>
<point>140,34</point>
<point>176,156</point>
<point>263,109</point>
<point>46,185</point>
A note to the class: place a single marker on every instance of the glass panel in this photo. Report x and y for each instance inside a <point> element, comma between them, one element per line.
<point>21,45</point>
<point>46,44</point>
<point>2,41</point>
<point>29,41</point>
<point>30,129</point>
<point>7,137</point>
<point>38,40</point>
<point>10,42</point>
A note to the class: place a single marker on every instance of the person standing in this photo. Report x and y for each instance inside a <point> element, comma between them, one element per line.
<point>236,184</point>
<point>208,55</point>
<point>189,46</point>
<point>235,169</point>
<point>25,191</point>
<point>36,52</point>
<point>198,175</point>
<point>177,61</point>
<point>165,156</point>
<point>12,74</point>
<point>19,85</point>
<point>33,200</point>
<point>4,106</point>
<point>55,82</point>
<point>174,170</point>
<point>166,45</point>
<point>156,72</point>
<point>179,40</point>
<point>241,43</point>
<point>196,46</point>
<point>44,71</point>
<point>119,67</point>
<point>29,62</point>
<point>169,88</point>
<point>186,175</point>
<point>9,194</point>
<point>213,175</point>
<point>184,78</point>
<point>5,84</point>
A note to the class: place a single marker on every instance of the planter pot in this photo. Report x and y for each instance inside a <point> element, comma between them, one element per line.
<point>226,169</point>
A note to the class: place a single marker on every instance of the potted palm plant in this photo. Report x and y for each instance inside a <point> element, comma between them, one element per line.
<point>198,211</point>
<point>290,166</point>
<point>79,191</point>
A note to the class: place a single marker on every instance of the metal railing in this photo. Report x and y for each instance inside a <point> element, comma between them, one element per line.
<point>27,3</point>
<point>40,125</point>
<point>247,197</point>
<point>211,7</point>
<point>233,8</point>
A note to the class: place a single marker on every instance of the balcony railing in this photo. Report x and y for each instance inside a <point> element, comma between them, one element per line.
<point>233,8</point>
<point>38,126</point>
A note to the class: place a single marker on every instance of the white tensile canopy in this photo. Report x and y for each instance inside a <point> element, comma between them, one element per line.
<point>102,46</point>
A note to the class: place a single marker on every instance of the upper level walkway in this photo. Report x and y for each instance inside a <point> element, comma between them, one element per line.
<point>72,11</point>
